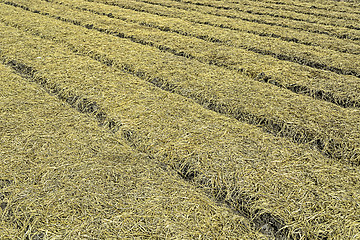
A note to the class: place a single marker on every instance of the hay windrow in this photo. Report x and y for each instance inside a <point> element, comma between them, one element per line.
<point>64,177</point>
<point>326,28</point>
<point>264,178</point>
<point>336,20</point>
<point>317,10</point>
<point>331,129</point>
<point>311,56</point>
<point>294,77</point>
<point>248,25</point>
<point>338,32</point>
<point>80,103</point>
<point>76,179</point>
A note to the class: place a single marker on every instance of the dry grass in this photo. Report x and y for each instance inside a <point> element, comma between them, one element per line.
<point>340,89</point>
<point>63,177</point>
<point>113,155</point>
<point>266,178</point>
<point>330,29</point>
<point>334,130</point>
<point>319,5</point>
<point>310,16</point>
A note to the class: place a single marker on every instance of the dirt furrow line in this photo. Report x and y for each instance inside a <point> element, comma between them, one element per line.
<point>338,32</point>
<point>270,225</point>
<point>266,177</point>
<point>81,104</point>
<point>306,26</point>
<point>256,10</point>
<point>310,10</point>
<point>332,138</point>
<point>261,28</point>
<point>89,177</point>
<point>261,68</point>
<point>314,57</point>
<point>330,7</point>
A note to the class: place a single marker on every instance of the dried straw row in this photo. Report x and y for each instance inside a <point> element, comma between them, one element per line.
<point>332,87</point>
<point>274,183</point>
<point>334,130</point>
<point>335,5</point>
<point>336,31</point>
<point>248,18</point>
<point>260,9</point>
<point>64,177</point>
<point>298,7</point>
<point>308,55</point>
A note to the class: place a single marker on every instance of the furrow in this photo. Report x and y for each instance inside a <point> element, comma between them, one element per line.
<point>240,22</point>
<point>309,17</point>
<point>256,10</point>
<point>201,50</point>
<point>338,32</point>
<point>316,12</point>
<point>332,129</point>
<point>80,103</point>
<point>272,224</point>
<point>329,7</point>
<point>186,172</point>
<point>311,10</point>
<point>268,179</point>
<point>311,56</point>
<point>73,173</point>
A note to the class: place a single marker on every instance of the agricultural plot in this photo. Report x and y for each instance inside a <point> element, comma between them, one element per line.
<point>67,171</point>
<point>179,119</point>
<point>342,90</point>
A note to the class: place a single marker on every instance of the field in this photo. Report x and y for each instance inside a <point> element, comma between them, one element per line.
<point>179,119</point>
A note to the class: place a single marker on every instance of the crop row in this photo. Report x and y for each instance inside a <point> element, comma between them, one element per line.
<point>268,179</point>
<point>72,173</point>
<point>333,6</point>
<point>310,10</point>
<point>338,32</point>
<point>260,11</point>
<point>313,12</point>
<point>337,89</point>
<point>241,22</point>
<point>310,14</point>
<point>335,136</point>
<point>333,129</point>
<point>316,57</point>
